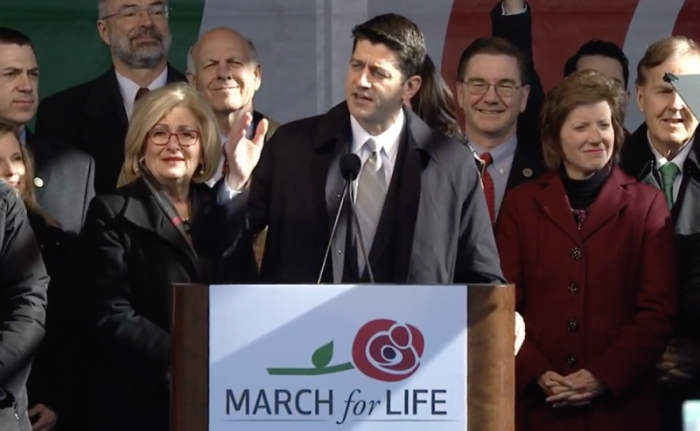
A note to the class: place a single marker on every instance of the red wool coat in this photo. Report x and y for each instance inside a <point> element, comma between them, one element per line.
<point>601,299</point>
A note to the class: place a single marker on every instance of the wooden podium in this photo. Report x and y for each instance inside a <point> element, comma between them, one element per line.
<point>491,371</point>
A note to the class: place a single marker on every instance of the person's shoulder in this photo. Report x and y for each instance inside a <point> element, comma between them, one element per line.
<point>297,132</point>
<point>112,204</point>
<point>72,96</point>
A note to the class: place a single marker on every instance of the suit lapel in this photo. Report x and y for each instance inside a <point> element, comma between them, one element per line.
<point>527,163</point>
<point>552,199</point>
<point>685,209</point>
<point>42,155</point>
<point>611,199</point>
<point>329,145</point>
<point>143,211</point>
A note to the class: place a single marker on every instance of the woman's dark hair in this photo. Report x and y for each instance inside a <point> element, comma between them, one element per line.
<point>435,104</point>
<point>585,87</point>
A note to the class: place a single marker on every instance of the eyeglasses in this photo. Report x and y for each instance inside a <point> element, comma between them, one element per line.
<point>185,138</point>
<point>133,13</point>
<point>479,88</point>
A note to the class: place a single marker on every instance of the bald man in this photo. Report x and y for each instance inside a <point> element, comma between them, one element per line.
<point>223,66</point>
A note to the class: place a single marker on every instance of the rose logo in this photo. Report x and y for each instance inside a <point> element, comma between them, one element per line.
<point>386,350</point>
<point>383,350</point>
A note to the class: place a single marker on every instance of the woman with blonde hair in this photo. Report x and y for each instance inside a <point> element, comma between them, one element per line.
<point>136,246</point>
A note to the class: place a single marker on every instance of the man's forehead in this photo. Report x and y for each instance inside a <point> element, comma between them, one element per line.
<point>117,4</point>
<point>375,54</point>
<point>221,47</point>
<point>677,65</point>
<point>497,66</point>
<point>15,55</point>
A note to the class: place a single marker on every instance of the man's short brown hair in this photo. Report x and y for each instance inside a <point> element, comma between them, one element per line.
<point>581,88</point>
<point>493,46</point>
<point>660,51</point>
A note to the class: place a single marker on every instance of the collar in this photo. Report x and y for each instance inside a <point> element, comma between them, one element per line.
<point>249,134</point>
<point>23,135</point>
<point>387,140</point>
<point>129,88</point>
<point>502,155</point>
<point>679,160</point>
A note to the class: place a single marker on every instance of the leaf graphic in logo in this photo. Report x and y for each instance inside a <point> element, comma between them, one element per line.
<point>323,355</point>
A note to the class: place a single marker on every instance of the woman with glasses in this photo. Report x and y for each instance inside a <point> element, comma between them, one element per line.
<point>136,245</point>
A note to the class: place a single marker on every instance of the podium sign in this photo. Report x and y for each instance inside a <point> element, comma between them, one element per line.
<point>319,358</point>
<point>361,358</point>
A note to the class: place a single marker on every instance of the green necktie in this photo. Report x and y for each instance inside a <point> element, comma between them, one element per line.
<point>669,172</point>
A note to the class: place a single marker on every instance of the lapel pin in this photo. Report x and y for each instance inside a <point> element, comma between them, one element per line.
<point>527,172</point>
<point>38,182</point>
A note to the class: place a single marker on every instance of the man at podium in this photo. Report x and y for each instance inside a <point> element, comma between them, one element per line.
<point>412,209</point>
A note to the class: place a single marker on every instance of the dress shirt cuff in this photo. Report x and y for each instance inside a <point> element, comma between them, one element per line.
<point>517,12</point>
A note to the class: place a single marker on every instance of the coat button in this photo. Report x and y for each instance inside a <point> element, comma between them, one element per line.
<point>576,253</point>
<point>572,288</point>
<point>572,326</point>
<point>570,361</point>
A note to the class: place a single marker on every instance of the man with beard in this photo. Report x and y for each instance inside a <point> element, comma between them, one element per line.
<point>93,116</point>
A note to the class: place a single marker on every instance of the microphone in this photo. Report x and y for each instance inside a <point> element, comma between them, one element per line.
<point>349,170</point>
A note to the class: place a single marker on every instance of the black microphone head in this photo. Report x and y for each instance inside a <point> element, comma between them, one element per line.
<point>350,166</point>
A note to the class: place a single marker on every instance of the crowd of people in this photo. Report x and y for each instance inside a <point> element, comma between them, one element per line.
<point>145,177</point>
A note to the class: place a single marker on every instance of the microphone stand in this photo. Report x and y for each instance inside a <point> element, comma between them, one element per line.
<point>335,227</point>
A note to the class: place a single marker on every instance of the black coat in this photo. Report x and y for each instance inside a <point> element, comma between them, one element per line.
<point>23,284</point>
<point>434,228</point>
<point>91,117</point>
<point>131,255</point>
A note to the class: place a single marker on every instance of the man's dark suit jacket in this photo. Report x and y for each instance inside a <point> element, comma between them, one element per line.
<point>434,227</point>
<point>23,285</point>
<point>637,159</point>
<point>91,117</point>
<point>64,182</point>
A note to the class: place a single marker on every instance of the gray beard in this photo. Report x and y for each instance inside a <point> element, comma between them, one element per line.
<point>145,57</point>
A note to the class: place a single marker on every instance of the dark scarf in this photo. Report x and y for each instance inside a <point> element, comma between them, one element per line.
<point>582,193</point>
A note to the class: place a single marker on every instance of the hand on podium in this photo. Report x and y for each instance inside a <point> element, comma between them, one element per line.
<point>519,332</point>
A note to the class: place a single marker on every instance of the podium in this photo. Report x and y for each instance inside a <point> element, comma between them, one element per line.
<point>342,357</point>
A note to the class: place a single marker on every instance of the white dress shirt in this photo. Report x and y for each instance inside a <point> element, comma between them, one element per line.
<point>387,143</point>
<point>679,160</point>
<point>129,88</point>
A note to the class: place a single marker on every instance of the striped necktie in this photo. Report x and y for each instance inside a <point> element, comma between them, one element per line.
<point>371,193</point>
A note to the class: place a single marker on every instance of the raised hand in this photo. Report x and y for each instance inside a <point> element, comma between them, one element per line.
<point>242,153</point>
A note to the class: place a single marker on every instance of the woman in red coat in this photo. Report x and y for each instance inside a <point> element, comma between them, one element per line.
<point>591,252</point>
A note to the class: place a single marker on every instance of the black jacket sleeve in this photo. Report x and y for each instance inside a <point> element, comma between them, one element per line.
<point>23,286</point>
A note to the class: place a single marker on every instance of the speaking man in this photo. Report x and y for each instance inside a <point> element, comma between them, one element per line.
<point>421,213</point>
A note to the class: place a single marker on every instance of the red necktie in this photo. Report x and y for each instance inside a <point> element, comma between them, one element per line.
<point>142,92</point>
<point>224,167</point>
<point>489,191</point>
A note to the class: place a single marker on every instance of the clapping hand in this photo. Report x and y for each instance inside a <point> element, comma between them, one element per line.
<point>242,153</point>
<point>583,387</point>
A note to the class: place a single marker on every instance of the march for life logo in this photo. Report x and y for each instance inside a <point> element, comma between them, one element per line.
<point>395,367</point>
